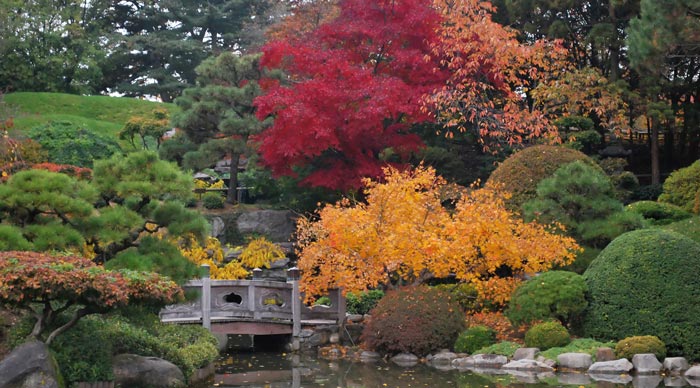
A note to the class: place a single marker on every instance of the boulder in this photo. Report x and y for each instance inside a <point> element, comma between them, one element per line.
<point>574,361</point>
<point>528,366</point>
<point>489,360</point>
<point>620,366</point>
<point>443,358</point>
<point>131,370</point>
<point>546,361</point>
<point>604,354</point>
<point>693,373</point>
<point>675,365</point>
<point>217,227</point>
<point>646,364</point>
<point>369,356</point>
<point>221,340</point>
<point>405,359</point>
<point>30,365</point>
<point>525,354</point>
<point>277,225</point>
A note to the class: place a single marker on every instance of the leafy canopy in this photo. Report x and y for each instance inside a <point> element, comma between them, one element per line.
<point>404,232</point>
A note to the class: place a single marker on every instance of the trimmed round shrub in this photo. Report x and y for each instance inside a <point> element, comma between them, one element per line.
<point>414,320</point>
<point>555,294</point>
<point>522,172</point>
<point>646,281</point>
<point>475,338</point>
<point>213,201</point>
<point>547,335</point>
<point>682,188</point>
<point>364,302</point>
<point>689,227</point>
<point>658,213</point>
<point>630,346</point>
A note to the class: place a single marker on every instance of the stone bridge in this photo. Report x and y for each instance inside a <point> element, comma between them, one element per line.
<point>256,307</point>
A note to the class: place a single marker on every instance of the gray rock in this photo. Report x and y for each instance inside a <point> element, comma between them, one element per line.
<point>527,365</point>
<point>369,356</point>
<point>30,365</point>
<point>573,378</point>
<point>217,227</point>
<point>693,373</point>
<point>131,370</point>
<point>463,362</point>
<point>611,378</point>
<point>278,225</point>
<point>574,361</point>
<point>675,365</point>
<point>319,338</point>
<point>646,381</point>
<point>489,360</point>
<point>355,318</point>
<point>222,341</point>
<point>675,381</point>
<point>646,364</point>
<point>334,338</point>
<point>525,354</point>
<point>611,367</point>
<point>201,375</point>
<point>604,354</point>
<point>443,358</point>
<point>279,264</point>
<point>306,333</point>
<point>405,359</point>
<point>546,361</point>
<point>693,382</point>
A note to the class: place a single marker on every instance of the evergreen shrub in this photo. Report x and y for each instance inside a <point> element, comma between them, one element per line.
<point>547,335</point>
<point>520,173</point>
<point>414,320</point>
<point>554,294</point>
<point>465,294</point>
<point>503,348</point>
<point>68,143</point>
<point>628,347</point>
<point>475,338</point>
<point>363,302</point>
<point>213,200</point>
<point>658,213</point>
<point>682,188</point>
<point>646,281</point>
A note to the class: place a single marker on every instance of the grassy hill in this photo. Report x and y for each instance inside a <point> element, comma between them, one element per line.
<point>102,114</point>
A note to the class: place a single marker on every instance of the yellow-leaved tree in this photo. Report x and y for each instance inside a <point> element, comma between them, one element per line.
<point>403,233</point>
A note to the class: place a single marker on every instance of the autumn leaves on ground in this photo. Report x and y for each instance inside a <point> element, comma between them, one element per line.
<point>380,123</point>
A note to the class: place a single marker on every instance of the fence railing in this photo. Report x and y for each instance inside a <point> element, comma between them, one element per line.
<point>254,300</point>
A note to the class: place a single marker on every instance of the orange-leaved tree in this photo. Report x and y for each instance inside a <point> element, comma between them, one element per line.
<point>404,234</point>
<point>491,72</point>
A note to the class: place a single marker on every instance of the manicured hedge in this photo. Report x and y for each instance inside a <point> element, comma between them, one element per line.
<point>521,172</point>
<point>658,213</point>
<point>682,188</point>
<point>646,282</point>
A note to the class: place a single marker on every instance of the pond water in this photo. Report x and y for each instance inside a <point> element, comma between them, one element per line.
<point>279,369</point>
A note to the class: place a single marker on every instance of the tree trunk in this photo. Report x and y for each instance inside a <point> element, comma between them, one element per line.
<point>232,195</point>
<point>654,145</point>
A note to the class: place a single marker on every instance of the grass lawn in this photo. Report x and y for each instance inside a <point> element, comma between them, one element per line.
<point>101,114</point>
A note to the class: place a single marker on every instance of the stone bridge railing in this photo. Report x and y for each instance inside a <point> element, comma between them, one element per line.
<point>254,300</point>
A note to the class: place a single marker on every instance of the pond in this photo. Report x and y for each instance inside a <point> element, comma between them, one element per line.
<point>279,369</point>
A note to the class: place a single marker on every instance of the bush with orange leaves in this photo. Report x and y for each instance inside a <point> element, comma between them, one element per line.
<point>402,234</point>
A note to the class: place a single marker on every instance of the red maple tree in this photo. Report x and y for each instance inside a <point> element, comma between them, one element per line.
<point>355,88</point>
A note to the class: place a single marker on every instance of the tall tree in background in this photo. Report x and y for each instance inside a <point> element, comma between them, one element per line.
<point>156,45</point>
<point>218,114</point>
<point>52,46</point>
<point>302,17</point>
<point>355,88</point>
<point>489,72</point>
<point>664,48</point>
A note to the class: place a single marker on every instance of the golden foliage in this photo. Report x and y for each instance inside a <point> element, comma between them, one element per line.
<point>212,254</point>
<point>403,231</point>
<point>260,252</point>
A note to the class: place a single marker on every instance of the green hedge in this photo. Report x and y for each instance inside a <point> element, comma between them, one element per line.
<point>682,188</point>
<point>547,335</point>
<point>475,338</point>
<point>658,213</point>
<point>646,281</point>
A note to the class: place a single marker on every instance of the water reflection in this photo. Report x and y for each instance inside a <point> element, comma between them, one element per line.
<point>281,370</point>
